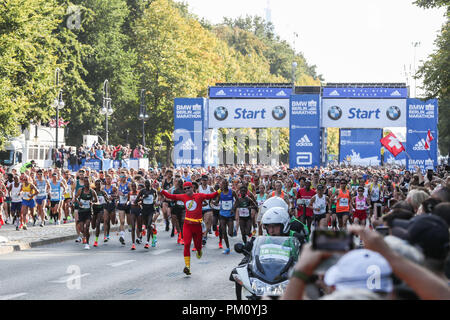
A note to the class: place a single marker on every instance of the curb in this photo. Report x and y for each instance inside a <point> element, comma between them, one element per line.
<point>20,246</point>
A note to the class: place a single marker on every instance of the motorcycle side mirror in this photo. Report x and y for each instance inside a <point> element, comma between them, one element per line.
<point>239,248</point>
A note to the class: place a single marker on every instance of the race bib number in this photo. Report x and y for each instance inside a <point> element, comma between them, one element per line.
<point>133,198</point>
<point>300,202</point>
<point>260,203</point>
<point>274,251</point>
<point>244,212</point>
<point>42,192</point>
<point>343,202</point>
<point>101,200</point>
<point>375,197</point>
<point>360,206</point>
<point>123,199</point>
<point>180,203</point>
<point>227,205</point>
<point>54,195</point>
<point>148,199</point>
<point>85,204</point>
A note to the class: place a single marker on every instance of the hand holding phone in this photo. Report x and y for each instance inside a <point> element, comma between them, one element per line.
<point>329,240</point>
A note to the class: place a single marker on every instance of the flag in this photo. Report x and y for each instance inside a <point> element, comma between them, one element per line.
<point>429,139</point>
<point>392,143</point>
<point>62,123</point>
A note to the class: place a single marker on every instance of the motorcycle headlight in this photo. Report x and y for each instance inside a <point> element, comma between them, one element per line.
<point>260,288</point>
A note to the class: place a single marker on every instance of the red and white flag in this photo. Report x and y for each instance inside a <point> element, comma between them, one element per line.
<point>62,123</point>
<point>429,139</point>
<point>392,143</point>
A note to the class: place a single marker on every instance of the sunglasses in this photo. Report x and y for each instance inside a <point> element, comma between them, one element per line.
<point>187,188</point>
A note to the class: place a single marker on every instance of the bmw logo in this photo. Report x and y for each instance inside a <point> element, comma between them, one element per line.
<point>393,113</point>
<point>278,113</point>
<point>335,113</point>
<point>221,113</point>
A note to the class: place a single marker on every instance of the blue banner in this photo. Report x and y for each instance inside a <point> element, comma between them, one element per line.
<point>360,147</point>
<point>399,160</point>
<point>188,134</point>
<point>304,133</point>
<point>365,93</point>
<point>421,117</point>
<point>94,164</point>
<point>247,92</point>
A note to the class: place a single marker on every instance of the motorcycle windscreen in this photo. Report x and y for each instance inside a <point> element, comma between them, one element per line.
<point>273,256</point>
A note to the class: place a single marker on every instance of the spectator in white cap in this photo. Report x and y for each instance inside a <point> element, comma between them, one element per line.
<point>361,269</point>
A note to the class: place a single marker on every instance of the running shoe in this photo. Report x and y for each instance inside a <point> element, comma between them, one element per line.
<point>84,241</point>
<point>144,232</point>
<point>220,245</point>
<point>167,225</point>
<point>129,229</point>
<point>122,240</point>
<point>133,247</point>
<point>199,254</point>
<point>58,222</point>
<point>176,232</point>
<point>253,233</point>
<point>79,239</point>
<point>227,251</point>
<point>182,242</point>
<point>64,221</point>
<point>194,249</point>
<point>34,221</point>
<point>42,224</point>
<point>25,227</point>
<point>187,271</point>
<point>86,247</point>
<point>138,241</point>
<point>105,239</point>
<point>154,241</point>
<point>172,233</point>
<point>146,246</point>
<point>95,244</point>
<point>217,233</point>
<point>17,228</point>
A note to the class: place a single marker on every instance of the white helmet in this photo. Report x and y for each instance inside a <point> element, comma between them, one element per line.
<point>272,203</point>
<point>277,215</point>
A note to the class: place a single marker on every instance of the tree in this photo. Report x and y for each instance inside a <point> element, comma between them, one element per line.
<point>436,74</point>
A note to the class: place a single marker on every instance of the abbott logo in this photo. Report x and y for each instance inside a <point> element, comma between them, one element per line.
<point>420,145</point>
<point>304,158</point>
<point>304,142</point>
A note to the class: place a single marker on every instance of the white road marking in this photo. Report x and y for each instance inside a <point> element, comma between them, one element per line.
<point>12,296</point>
<point>158,252</point>
<point>69,278</point>
<point>120,263</point>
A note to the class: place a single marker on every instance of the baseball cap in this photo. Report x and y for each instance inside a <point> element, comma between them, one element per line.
<point>187,184</point>
<point>431,234</point>
<point>359,269</point>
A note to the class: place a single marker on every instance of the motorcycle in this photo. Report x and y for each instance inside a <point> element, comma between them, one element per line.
<point>264,270</point>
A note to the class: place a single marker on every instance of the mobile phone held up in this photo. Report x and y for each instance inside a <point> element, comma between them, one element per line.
<point>329,240</point>
<point>384,231</point>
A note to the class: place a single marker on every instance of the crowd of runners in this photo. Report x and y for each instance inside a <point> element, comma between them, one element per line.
<point>201,204</point>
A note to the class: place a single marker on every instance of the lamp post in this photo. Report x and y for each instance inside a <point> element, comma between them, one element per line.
<point>58,104</point>
<point>415,45</point>
<point>294,67</point>
<point>143,115</point>
<point>106,108</point>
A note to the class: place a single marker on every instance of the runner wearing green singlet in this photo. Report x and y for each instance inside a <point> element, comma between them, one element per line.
<point>332,190</point>
<point>79,185</point>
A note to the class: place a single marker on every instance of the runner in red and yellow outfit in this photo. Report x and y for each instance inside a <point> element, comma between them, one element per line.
<point>192,228</point>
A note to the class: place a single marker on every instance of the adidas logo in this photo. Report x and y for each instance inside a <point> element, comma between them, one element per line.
<point>304,142</point>
<point>221,93</point>
<point>334,93</point>
<point>189,145</point>
<point>420,145</point>
<point>281,93</point>
<point>396,93</point>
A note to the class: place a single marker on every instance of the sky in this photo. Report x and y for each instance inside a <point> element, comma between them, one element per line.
<point>348,40</point>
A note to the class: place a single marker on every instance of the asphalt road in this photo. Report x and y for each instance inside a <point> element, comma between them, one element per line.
<point>65,271</point>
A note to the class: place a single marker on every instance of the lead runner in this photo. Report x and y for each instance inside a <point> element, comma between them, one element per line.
<point>192,228</point>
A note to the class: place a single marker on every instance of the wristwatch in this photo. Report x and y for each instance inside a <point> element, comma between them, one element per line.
<point>302,276</point>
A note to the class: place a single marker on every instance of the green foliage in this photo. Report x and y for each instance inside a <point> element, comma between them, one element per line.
<point>436,75</point>
<point>158,45</point>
